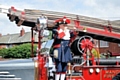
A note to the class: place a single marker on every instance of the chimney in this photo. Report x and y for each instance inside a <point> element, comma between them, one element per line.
<point>22,32</point>
<point>0,35</point>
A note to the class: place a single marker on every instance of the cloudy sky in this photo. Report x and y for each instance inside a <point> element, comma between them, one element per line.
<point>104,9</point>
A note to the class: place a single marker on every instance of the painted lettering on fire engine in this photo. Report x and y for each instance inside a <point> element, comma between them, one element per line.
<point>111,73</point>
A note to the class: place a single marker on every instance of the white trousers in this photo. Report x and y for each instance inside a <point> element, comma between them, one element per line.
<point>59,76</point>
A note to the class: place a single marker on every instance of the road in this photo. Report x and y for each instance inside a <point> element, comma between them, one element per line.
<point>21,68</point>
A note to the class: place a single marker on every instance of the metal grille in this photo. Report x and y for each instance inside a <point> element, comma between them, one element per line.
<point>77,60</point>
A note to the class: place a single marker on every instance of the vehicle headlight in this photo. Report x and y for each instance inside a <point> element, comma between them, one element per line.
<point>91,70</point>
<point>97,70</point>
<point>36,64</point>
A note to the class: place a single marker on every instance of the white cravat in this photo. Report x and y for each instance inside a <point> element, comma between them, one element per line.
<point>67,34</point>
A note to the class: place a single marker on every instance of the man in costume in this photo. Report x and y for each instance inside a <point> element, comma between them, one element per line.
<point>61,50</point>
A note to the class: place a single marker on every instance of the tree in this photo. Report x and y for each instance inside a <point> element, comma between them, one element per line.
<point>20,51</point>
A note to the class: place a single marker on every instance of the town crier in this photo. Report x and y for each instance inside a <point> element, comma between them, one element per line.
<point>61,50</point>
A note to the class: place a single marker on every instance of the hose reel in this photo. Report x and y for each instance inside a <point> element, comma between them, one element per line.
<point>79,46</point>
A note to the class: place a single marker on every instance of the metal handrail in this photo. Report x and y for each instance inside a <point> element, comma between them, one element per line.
<point>76,66</point>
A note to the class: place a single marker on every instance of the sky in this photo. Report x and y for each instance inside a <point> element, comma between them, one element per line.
<point>103,9</point>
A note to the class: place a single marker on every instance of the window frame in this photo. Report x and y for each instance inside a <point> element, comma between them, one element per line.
<point>104,44</point>
<point>118,45</point>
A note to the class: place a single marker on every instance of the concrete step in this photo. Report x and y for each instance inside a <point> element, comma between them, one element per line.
<point>7,76</point>
<point>21,68</point>
<point>4,73</point>
<point>10,78</point>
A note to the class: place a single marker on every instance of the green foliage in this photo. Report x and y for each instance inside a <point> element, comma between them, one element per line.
<point>3,52</point>
<point>20,51</point>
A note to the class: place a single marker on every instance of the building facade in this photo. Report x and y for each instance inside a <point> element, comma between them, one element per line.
<point>9,40</point>
<point>104,46</point>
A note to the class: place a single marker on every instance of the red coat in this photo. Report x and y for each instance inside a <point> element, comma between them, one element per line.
<point>61,35</point>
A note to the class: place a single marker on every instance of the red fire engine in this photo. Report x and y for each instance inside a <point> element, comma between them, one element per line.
<point>84,65</point>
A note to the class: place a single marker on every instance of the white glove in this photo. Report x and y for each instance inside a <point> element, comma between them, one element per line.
<point>55,53</point>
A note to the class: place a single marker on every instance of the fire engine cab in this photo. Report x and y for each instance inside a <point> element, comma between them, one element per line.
<point>84,66</point>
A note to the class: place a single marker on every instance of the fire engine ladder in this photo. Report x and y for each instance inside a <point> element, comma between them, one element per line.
<point>4,9</point>
<point>97,28</point>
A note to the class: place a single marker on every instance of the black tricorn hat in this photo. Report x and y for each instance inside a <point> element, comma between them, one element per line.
<point>63,20</point>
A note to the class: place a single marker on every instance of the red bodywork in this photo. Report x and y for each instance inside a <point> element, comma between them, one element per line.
<point>42,71</point>
<point>106,73</point>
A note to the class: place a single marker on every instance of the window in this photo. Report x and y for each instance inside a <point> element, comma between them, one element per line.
<point>103,43</point>
<point>119,45</point>
<point>8,46</point>
<point>96,43</point>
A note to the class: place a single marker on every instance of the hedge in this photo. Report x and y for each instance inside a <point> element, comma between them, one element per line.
<point>20,51</point>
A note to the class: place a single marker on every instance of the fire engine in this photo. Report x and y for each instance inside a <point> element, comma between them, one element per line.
<point>85,66</point>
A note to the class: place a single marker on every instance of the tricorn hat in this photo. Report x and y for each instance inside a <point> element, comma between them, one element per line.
<point>63,20</point>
